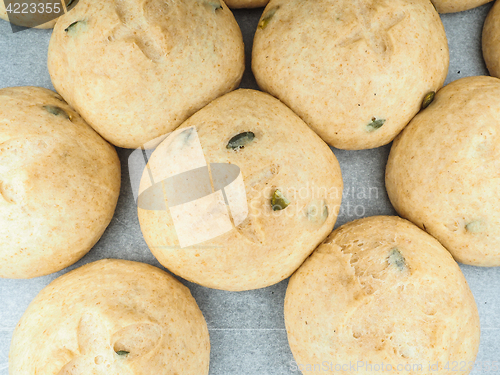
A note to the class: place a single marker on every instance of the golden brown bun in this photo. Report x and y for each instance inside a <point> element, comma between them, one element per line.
<point>266,245</point>
<point>112,317</point>
<point>491,41</point>
<point>442,172</point>
<point>59,183</point>
<point>381,292</point>
<point>135,69</point>
<point>356,71</point>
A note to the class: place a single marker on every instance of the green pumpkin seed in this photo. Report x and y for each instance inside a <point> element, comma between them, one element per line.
<point>56,111</point>
<point>397,259</point>
<point>375,124</point>
<point>279,201</point>
<point>216,5</point>
<point>241,140</point>
<point>73,29</point>
<point>122,352</point>
<point>266,18</point>
<point>428,99</point>
<point>70,27</point>
<point>474,227</point>
<point>317,212</point>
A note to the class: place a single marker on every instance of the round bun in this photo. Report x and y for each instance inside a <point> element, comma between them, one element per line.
<point>112,317</point>
<point>491,41</point>
<point>381,296</point>
<point>236,4</point>
<point>59,183</point>
<point>136,72</point>
<point>452,6</point>
<point>273,195</point>
<point>355,72</point>
<point>442,172</point>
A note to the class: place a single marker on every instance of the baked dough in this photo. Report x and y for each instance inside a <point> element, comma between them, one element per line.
<point>381,296</point>
<point>452,6</point>
<point>4,16</point>
<point>292,192</point>
<point>443,171</point>
<point>236,4</point>
<point>112,317</point>
<point>491,41</point>
<point>59,183</point>
<point>136,69</point>
<point>356,71</point>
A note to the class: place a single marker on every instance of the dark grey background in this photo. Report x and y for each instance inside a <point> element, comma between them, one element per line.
<point>247,328</point>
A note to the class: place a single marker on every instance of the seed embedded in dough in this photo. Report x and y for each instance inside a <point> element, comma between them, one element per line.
<point>279,201</point>
<point>215,4</point>
<point>317,211</point>
<point>375,124</point>
<point>428,99</point>
<point>265,20</point>
<point>241,140</point>
<point>474,226</point>
<point>397,259</point>
<point>72,29</point>
<point>56,111</point>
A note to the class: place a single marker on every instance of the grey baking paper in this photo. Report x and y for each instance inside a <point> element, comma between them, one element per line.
<point>247,329</point>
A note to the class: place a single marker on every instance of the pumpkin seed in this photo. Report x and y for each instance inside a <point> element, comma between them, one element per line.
<point>241,140</point>
<point>317,211</point>
<point>396,259</point>
<point>267,17</point>
<point>279,201</point>
<point>375,124</point>
<point>122,352</point>
<point>474,227</point>
<point>56,111</point>
<point>215,4</point>
<point>72,29</point>
<point>428,99</point>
